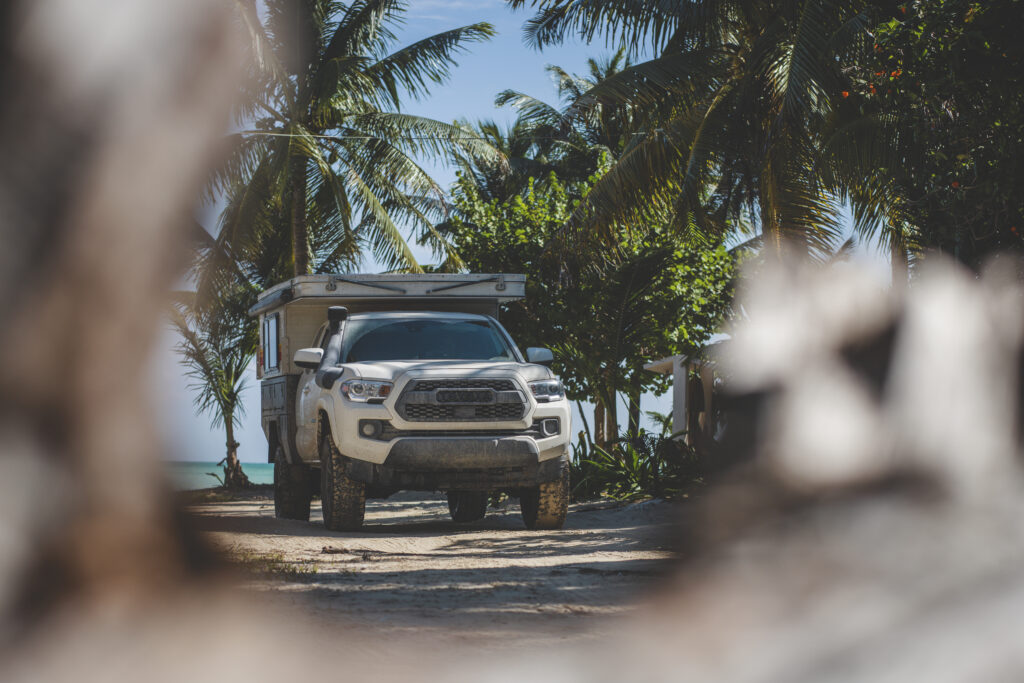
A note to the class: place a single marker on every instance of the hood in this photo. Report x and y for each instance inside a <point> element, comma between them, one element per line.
<point>393,370</point>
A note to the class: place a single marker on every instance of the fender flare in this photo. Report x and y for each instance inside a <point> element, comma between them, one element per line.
<point>325,405</point>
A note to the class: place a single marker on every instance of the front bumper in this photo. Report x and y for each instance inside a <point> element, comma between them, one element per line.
<point>460,463</point>
<point>347,416</point>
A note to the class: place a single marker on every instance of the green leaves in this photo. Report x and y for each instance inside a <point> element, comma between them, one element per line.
<point>217,344</point>
<point>330,169</point>
<point>606,311</point>
<point>642,466</point>
<point>630,22</point>
<point>735,102</point>
<point>944,77</point>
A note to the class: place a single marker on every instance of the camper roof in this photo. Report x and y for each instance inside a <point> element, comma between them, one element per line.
<point>410,290</point>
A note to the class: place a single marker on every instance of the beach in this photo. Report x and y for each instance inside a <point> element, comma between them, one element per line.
<point>413,571</point>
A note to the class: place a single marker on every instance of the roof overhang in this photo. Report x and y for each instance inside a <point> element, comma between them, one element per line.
<point>665,366</point>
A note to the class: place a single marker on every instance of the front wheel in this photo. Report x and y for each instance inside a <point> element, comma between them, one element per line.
<point>467,506</point>
<point>546,506</point>
<point>292,488</point>
<point>343,498</point>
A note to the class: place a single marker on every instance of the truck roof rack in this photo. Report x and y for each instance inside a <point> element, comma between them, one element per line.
<point>413,290</point>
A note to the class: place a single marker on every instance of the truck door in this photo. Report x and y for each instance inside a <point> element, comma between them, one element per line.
<point>305,406</point>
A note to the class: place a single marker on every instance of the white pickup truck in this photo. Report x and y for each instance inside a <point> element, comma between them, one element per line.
<point>373,384</point>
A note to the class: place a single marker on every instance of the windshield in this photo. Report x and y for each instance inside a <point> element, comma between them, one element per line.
<point>422,339</point>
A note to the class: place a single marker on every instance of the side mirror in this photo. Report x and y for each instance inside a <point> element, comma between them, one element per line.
<point>309,358</point>
<point>539,356</point>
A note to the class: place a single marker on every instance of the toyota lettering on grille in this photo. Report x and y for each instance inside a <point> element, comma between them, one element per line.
<point>464,396</point>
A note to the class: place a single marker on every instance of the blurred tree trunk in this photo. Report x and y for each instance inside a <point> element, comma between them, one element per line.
<point>104,160</point>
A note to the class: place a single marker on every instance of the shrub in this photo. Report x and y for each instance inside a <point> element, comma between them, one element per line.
<point>646,465</point>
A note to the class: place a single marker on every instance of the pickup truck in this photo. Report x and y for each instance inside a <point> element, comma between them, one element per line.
<point>373,384</point>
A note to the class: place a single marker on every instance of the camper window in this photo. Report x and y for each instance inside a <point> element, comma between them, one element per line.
<point>271,344</point>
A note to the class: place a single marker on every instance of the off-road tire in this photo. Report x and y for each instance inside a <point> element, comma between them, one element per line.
<point>292,488</point>
<point>343,499</point>
<point>467,506</point>
<point>546,506</point>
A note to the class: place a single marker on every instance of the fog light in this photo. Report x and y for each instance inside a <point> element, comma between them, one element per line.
<point>371,429</point>
<point>550,426</point>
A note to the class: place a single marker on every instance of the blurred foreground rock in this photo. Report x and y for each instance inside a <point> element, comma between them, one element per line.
<point>876,533</point>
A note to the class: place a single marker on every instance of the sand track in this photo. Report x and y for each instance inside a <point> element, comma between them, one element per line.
<point>490,582</point>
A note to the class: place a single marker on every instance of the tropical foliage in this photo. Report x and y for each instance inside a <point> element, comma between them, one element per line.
<point>326,167</point>
<point>605,313</point>
<point>217,345</point>
<point>607,306</point>
<point>643,465</point>
<point>745,123</point>
<point>784,111</point>
<point>569,139</point>
<point>946,74</point>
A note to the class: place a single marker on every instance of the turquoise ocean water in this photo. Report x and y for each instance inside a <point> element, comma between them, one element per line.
<point>187,476</point>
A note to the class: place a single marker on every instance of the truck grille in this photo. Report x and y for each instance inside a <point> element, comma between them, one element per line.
<point>432,384</point>
<point>462,400</point>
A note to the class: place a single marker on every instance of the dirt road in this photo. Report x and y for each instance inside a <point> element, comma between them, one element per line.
<point>490,583</point>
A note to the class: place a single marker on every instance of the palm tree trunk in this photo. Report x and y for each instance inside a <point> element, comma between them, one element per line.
<point>611,416</point>
<point>586,427</point>
<point>300,236</point>
<point>234,477</point>
<point>599,437</point>
<point>771,231</point>
<point>633,397</point>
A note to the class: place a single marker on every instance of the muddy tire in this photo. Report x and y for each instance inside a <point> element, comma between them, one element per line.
<point>467,506</point>
<point>343,499</point>
<point>546,506</point>
<point>293,488</point>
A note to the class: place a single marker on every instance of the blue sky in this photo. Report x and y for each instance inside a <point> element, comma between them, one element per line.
<point>504,62</point>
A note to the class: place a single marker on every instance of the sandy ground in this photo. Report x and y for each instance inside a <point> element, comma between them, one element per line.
<point>413,571</point>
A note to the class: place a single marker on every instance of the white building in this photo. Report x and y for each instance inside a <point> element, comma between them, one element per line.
<point>694,395</point>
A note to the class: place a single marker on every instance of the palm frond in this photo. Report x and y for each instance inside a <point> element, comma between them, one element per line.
<point>631,23</point>
<point>415,67</point>
<point>532,112</point>
<point>362,27</point>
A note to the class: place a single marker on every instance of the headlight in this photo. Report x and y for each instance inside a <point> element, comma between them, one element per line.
<point>547,390</point>
<point>366,390</point>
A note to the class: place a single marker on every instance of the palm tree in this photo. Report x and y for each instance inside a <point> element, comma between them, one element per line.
<point>327,159</point>
<point>740,103</point>
<point>524,155</point>
<point>579,126</point>
<point>217,345</point>
<point>565,139</point>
